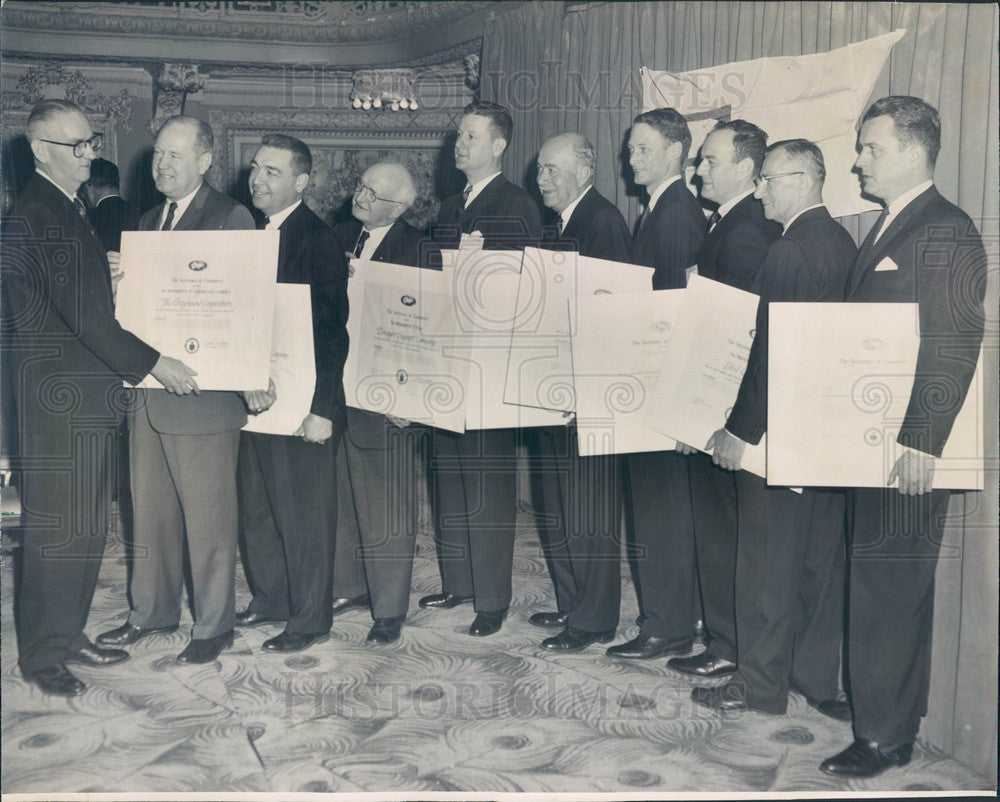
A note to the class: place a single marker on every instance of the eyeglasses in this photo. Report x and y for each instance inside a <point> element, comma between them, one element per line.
<point>763,179</point>
<point>96,142</point>
<point>365,192</point>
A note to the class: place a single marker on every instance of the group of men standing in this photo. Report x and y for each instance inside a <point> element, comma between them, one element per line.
<point>762,568</point>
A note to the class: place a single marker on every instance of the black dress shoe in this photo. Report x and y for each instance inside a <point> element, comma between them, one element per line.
<point>573,640</point>
<point>362,602</point>
<point>126,634</point>
<point>839,709</point>
<point>725,698</point>
<point>867,759</point>
<point>293,641</point>
<point>646,647</point>
<point>205,650</point>
<point>57,681</point>
<point>443,601</point>
<point>248,618</point>
<point>702,665</point>
<point>548,619</point>
<point>487,623</point>
<point>96,656</point>
<point>385,630</point>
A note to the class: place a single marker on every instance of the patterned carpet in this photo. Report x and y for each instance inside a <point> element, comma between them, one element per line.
<point>438,712</point>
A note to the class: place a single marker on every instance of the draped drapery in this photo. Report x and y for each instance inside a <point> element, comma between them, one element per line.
<point>575,66</point>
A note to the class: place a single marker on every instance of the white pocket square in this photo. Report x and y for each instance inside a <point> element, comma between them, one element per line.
<point>886,264</point>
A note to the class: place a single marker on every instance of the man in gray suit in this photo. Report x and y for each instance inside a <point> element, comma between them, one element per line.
<point>184,448</point>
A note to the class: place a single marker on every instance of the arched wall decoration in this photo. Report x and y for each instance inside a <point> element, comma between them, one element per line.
<point>55,81</point>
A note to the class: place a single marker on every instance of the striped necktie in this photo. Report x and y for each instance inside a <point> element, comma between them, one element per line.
<point>465,194</point>
<point>360,246</point>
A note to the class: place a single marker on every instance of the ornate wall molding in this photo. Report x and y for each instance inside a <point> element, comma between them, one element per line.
<point>250,21</point>
<point>57,81</point>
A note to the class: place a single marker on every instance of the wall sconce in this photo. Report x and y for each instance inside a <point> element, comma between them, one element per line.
<point>392,89</point>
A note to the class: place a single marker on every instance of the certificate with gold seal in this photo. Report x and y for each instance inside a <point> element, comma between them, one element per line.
<point>206,297</point>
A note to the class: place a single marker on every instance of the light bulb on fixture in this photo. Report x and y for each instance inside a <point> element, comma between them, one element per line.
<point>356,103</point>
<point>377,103</point>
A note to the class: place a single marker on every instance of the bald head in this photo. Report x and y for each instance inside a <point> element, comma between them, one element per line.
<point>386,190</point>
<point>565,169</point>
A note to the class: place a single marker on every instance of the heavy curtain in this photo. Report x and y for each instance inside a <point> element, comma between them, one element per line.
<point>575,66</point>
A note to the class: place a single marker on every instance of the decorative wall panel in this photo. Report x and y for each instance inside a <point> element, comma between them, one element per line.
<point>344,145</point>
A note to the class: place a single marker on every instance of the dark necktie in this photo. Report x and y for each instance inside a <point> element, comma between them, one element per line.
<point>169,222</point>
<point>562,226</point>
<point>879,222</point>
<point>80,207</point>
<point>362,239</point>
<point>714,219</point>
<point>465,194</point>
<point>264,223</point>
<point>643,216</point>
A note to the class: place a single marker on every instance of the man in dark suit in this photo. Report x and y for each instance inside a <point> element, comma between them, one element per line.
<point>790,562</point>
<point>68,357</point>
<point>183,450</point>
<point>923,250</point>
<point>578,500</point>
<point>667,238</point>
<point>475,507</point>
<point>288,514</point>
<point>737,240</point>
<point>379,486</point>
<point>109,212</point>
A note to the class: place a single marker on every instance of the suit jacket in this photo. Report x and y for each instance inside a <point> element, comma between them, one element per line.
<point>597,229</point>
<point>503,213</point>
<point>67,355</point>
<point>212,411</point>
<point>670,237</point>
<point>400,246</point>
<point>310,253</point>
<point>734,250</point>
<point>810,262</point>
<point>110,218</point>
<point>936,260</point>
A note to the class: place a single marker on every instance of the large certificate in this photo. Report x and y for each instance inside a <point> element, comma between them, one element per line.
<point>618,349</point>
<point>206,297</point>
<point>484,292</point>
<point>704,364</point>
<point>839,382</point>
<point>550,284</point>
<point>293,363</point>
<point>402,360</point>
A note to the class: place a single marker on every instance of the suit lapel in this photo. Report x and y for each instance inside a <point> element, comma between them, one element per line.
<point>871,254</point>
<point>190,220</point>
<point>484,198</point>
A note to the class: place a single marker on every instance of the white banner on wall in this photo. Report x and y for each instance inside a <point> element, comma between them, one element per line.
<point>818,97</point>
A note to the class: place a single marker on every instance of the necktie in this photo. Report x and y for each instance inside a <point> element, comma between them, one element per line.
<point>465,194</point>
<point>642,220</point>
<point>264,223</point>
<point>362,239</point>
<point>80,207</point>
<point>169,222</point>
<point>879,222</point>
<point>714,219</point>
<point>562,226</point>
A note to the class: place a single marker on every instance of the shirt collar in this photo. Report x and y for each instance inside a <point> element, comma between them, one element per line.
<point>275,220</point>
<point>48,178</point>
<point>788,225</point>
<point>654,196</point>
<point>726,207</point>
<point>479,186</point>
<point>567,213</point>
